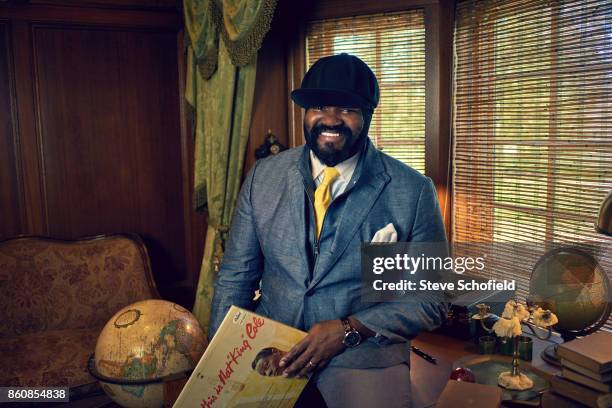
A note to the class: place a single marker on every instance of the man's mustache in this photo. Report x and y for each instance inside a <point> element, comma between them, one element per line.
<point>341,129</point>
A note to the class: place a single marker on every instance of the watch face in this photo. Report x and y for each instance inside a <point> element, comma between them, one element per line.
<point>352,339</point>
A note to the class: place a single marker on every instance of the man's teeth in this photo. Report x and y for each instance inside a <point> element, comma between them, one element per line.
<point>330,134</point>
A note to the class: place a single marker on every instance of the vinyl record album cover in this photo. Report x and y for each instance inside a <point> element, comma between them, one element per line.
<point>240,366</point>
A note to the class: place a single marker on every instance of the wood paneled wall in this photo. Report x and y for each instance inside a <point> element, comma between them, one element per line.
<point>270,92</point>
<point>93,137</point>
<point>10,211</point>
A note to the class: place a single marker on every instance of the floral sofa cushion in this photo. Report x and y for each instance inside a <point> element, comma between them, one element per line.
<point>55,297</point>
<point>55,358</point>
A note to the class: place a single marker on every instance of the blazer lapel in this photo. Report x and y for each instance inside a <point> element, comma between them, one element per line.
<point>298,176</point>
<point>367,185</point>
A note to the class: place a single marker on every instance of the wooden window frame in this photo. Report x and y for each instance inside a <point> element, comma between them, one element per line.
<point>439,20</point>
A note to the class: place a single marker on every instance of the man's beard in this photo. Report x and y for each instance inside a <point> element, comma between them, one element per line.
<point>329,155</point>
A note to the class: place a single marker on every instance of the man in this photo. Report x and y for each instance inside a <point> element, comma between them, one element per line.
<point>299,224</point>
<point>267,362</point>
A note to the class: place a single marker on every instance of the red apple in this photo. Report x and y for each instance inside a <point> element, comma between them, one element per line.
<point>463,374</point>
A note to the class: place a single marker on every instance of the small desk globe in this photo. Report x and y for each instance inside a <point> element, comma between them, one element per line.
<point>141,345</point>
<point>572,284</point>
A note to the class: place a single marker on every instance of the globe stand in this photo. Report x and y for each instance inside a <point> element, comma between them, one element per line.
<point>172,384</point>
<point>91,368</point>
<point>549,354</point>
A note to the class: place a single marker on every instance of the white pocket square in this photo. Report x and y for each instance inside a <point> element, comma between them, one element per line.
<point>386,234</point>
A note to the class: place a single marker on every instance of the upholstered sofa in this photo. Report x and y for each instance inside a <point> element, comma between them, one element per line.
<point>55,297</point>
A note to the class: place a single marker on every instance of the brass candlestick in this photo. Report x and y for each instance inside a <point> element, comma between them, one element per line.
<point>510,324</point>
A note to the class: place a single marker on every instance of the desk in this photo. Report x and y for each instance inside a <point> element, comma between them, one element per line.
<point>428,380</point>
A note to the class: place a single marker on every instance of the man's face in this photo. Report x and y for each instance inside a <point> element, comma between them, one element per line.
<point>269,365</point>
<point>332,132</point>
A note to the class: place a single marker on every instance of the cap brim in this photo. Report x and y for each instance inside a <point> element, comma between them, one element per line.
<point>307,98</point>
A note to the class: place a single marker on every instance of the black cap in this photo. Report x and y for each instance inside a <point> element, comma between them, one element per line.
<point>338,80</point>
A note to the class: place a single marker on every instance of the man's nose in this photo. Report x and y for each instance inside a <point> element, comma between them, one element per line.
<point>331,117</point>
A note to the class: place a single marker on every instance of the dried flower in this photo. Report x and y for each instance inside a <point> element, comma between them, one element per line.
<point>544,318</point>
<point>505,327</point>
<point>522,312</point>
<point>515,309</point>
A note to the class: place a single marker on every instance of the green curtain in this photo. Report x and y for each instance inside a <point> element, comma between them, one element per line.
<point>220,87</point>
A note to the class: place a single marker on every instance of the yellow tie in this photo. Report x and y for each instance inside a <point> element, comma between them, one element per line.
<point>322,196</point>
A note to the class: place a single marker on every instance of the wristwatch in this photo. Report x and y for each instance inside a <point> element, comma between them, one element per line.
<point>352,338</point>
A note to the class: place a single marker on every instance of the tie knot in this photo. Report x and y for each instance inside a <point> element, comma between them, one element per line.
<point>329,175</point>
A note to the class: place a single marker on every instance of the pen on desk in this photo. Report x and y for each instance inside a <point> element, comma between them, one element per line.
<point>424,355</point>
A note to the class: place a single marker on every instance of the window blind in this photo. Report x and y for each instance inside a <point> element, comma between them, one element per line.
<point>532,128</point>
<point>393,46</point>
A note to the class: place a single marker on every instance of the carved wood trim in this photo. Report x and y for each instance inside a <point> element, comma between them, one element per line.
<point>90,15</point>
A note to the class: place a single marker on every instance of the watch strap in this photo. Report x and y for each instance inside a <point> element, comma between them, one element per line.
<point>347,325</point>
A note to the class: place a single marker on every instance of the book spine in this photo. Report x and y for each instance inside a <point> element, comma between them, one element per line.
<point>605,378</point>
<point>553,400</point>
<point>578,359</point>
<point>574,391</point>
<point>586,381</point>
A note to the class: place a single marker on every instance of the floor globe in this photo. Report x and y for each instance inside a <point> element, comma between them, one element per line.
<point>143,344</point>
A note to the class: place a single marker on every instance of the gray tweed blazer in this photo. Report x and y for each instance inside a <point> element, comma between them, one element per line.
<point>271,244</point>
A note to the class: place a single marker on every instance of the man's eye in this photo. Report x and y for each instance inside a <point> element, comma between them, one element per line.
<point>317,108</point>
<point>349,110</point>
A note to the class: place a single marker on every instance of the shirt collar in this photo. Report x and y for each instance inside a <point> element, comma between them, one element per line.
<point>345,168</point>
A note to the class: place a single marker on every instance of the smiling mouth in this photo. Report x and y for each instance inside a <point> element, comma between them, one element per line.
<point>330,134</point>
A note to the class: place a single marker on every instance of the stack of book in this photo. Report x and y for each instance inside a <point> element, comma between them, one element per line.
<point>586,375</point>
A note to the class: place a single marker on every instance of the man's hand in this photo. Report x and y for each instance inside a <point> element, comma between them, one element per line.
<point>324,341</point>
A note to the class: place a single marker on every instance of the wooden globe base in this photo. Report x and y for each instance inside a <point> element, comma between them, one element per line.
<point>549,354</point>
